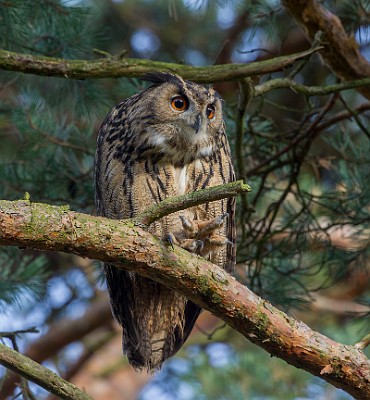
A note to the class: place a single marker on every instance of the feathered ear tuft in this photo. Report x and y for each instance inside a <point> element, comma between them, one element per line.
<point>158,78</point>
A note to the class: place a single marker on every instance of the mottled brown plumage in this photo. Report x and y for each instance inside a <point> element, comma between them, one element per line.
<point>164,141</point>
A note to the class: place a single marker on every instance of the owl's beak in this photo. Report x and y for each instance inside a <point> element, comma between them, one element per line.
<point>198,123</point>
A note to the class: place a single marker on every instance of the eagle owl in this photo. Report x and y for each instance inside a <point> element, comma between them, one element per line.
<point>165,141</point>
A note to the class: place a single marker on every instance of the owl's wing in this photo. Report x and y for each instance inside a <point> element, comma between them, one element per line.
<point>225,171</point>
<point>231,234</point>
<point>156,320</point>
<point>112,201</point>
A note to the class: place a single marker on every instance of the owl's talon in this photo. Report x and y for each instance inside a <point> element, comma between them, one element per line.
<point>220,219</point>
<point>216,240</point>
<point>194,246</point>
<point>189,226</point>
<point>170,239</point>
<point>200,245</point>
<point>225,215</point>
<point>209,226</point>
<point>185,222</point>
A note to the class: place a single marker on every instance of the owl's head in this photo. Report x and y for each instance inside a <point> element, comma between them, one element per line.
<point>185,117</point>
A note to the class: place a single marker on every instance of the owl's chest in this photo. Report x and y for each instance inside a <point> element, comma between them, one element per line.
<point>167,179</point>
<point>188,178</point>
<point>180,180</point>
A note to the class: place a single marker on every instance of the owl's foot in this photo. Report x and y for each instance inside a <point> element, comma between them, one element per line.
<point>192,245</point>
<point>200,237</point>
<point>170,239</point>
<point>217,240</point>
<point>209,227</point>
<point>202,229</point>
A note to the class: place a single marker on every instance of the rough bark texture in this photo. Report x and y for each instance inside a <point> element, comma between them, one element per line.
<point>130,67</point>
<point>47,227</point>
<point>340,51</point>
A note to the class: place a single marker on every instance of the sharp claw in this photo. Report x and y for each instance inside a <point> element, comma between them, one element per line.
<point>169,239</point>
<point>220,219</point>
<point>185,222</point>
<point>200,245</point>
<point>223,216</point>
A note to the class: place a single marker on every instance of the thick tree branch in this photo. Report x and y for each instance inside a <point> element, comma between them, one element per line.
<point>47,227</point>
<point>38,374</point>
<point>340,52</point>
<point>130,67</point>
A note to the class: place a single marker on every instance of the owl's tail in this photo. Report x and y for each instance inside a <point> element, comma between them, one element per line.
<point>156,320</point>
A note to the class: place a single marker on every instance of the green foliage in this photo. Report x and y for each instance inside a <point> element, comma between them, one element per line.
<point>48,27</point>
<point>309,193</point>
<point>61,146</point>
<point>22,278</point>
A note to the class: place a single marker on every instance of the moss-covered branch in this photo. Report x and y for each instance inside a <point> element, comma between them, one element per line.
<point>112,67</point>
<point>45,227</point>
<point>173,204</point>
<point>36,373</point>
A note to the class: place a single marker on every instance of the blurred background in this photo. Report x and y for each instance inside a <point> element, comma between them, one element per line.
<point>303,232</point>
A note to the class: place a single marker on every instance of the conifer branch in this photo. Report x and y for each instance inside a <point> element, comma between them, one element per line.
<point>40,375</point>
<point>130,67</point>
<point>46,227</point>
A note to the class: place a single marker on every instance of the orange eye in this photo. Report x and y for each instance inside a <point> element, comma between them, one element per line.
<point>210,111</point>
<point>179,103</point>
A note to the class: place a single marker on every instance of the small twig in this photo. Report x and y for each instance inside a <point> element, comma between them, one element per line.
<point>177,203</point>
<point>300,65</point>
<point>212,333</point>
<point>246,93</point>
<point>281,83</point>
<point>355,116</point>
<point>55,140</point>
<point>14,334</point>
<point>40,375</point>
<point>102,53</point>
<point>363,343</point>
